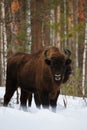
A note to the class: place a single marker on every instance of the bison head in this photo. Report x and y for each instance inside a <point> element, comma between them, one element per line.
<point>57,61</point>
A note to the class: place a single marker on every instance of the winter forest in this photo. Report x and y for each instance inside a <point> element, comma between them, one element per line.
<point>27,25</point>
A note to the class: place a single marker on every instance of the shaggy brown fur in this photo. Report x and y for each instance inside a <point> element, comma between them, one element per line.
<point>15,64</point>
<point>41,73</point>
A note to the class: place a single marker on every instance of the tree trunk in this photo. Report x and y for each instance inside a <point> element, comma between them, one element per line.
<point>40,29</point>
<point>84,69</point>
<point>75,8</point>
<point>58,44</point>
<point>36,24</point>
<point>84,62</point>
<point>52,31</point>
<point>65,23</point>
<point>3,44</point>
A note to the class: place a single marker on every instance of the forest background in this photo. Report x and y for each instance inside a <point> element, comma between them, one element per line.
<point>27,25</point>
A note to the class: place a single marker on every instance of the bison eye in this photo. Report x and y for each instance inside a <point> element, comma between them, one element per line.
<point>68,61</point>
<point>47,61</point>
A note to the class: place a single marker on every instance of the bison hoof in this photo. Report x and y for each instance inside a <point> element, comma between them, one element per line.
<point>24,108</point>
<point>53,109</point>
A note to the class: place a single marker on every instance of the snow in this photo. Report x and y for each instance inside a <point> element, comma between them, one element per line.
<point>73,117</point>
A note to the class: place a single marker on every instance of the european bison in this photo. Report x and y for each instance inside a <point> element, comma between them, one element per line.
<point>41,73</point>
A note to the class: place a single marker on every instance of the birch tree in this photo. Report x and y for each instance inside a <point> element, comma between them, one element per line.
<point>3,44</point>
<point>76,23</point>
<point>84,55</point>
<point>84,62</point>
<point>65,24</point>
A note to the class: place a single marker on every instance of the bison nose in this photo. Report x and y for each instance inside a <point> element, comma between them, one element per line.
<point>57,77</point>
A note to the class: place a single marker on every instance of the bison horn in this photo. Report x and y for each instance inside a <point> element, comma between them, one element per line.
<point>45,53</point>
<point>67,52</point>
<point>47,60</point>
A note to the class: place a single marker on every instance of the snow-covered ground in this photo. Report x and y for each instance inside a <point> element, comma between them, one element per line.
<point>73,117</point>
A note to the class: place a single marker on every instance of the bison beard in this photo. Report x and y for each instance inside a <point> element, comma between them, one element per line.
<point>41,73</point>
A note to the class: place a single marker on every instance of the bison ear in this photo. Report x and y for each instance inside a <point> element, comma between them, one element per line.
<point>47,61</point>
<point>67,52</point>
<point>68,61</point>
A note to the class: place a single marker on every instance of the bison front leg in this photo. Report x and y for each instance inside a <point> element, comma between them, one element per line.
<point>44,100</point>
<point>29,99</point>
<point>53,100</point>
<point>37,99</point>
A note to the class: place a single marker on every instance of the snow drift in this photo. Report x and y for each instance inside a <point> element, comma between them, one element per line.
<point>71,118</point>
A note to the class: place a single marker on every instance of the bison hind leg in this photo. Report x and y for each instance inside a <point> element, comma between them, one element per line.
<point>11,86</point>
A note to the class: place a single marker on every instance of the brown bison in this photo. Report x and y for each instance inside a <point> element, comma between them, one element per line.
<point>41,73</point>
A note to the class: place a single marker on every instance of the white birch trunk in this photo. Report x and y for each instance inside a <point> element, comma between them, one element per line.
<point>84,62</point>
<point>65,24</point>
<point>29,27</point>
<point>76,15</point>
<point>4,44</point>
<point>75,38</point>
<point>52,33</point>
<point>2,67</point>
<point>58,33</point>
